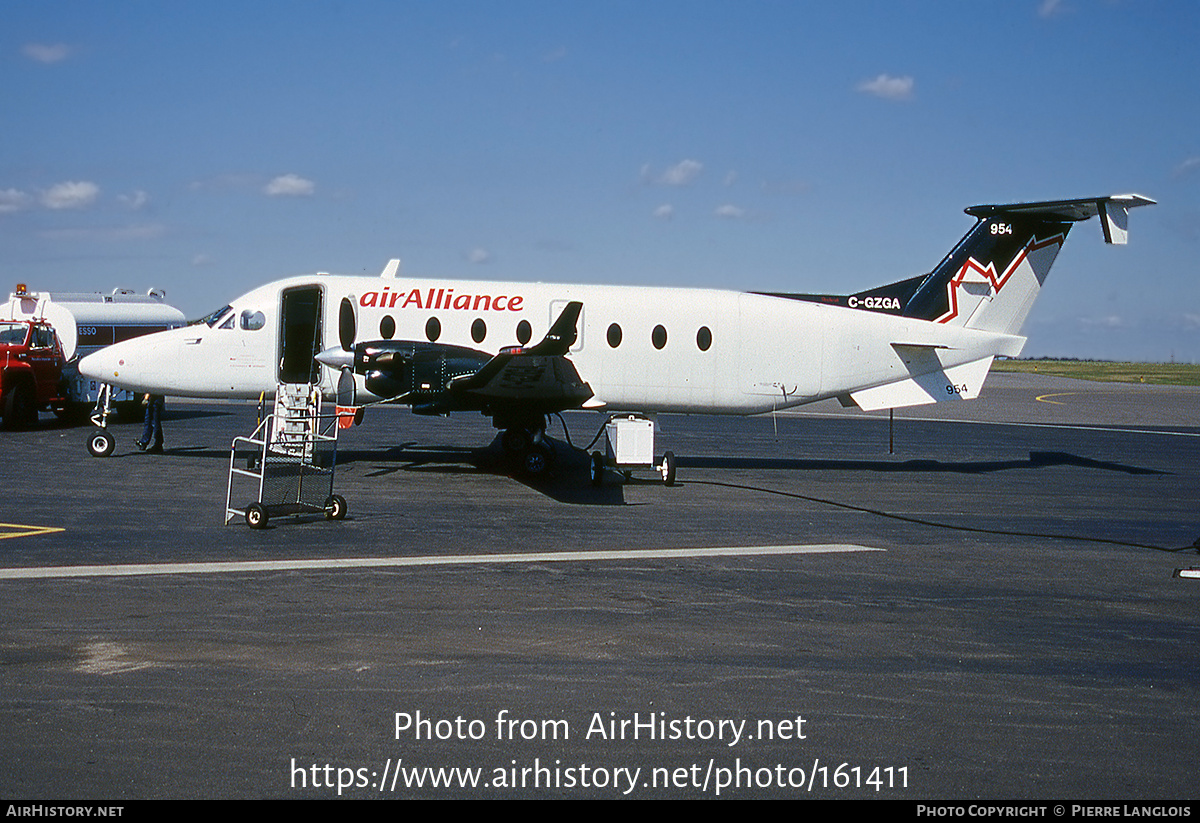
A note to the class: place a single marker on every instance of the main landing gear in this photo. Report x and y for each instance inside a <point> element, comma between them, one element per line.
<point>529,449</point>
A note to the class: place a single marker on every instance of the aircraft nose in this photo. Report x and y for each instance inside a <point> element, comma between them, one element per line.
<point>99,365</point>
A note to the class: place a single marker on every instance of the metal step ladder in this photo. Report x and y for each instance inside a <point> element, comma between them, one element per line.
<point>289,461</point>
<point>297,419</point>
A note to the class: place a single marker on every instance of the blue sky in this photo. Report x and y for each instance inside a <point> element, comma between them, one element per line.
<point>207,148</point>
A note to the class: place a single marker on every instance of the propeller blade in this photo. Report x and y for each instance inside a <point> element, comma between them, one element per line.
<point>347,324</point>
<point>346,390</point>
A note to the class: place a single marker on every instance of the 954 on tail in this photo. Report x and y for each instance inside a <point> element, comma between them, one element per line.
<point>518,351</point>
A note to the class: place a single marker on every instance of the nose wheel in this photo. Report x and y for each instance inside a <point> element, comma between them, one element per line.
<point>101,443</point>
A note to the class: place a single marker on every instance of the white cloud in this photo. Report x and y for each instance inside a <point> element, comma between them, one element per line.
<point>46,52</point>
<point>1109,321</point>
<point>1189,165</point>
<point>682,173</point>
<point>119,234</point>
<point>135,201</point>
<point>478,256</point>
<point>730,212</point>
<point>13,200</point>
<point>70,195</point>
<point>289,185</point>
<point>665,212</point>
<point>1050,8</point>
<point>888,87</point>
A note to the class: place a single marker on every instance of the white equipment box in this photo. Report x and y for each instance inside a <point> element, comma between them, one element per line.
<point>630,441</point>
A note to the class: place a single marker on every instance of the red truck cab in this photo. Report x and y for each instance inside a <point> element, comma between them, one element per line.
<point>31,365</point>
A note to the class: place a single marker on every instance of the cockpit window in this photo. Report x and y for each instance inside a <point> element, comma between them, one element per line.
<point>228,324</point>
<point>253,320</point>
<point>213,318</point>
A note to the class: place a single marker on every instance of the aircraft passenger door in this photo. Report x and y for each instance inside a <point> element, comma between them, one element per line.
<point>300,334</point>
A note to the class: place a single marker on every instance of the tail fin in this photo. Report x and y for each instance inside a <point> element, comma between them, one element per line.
<point>991,278</point>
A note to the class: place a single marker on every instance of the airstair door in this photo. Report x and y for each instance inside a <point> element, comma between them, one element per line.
<point>300,338</point>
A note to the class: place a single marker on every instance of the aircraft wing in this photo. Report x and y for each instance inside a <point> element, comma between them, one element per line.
<point>514,377</point>
<point>540,375</point>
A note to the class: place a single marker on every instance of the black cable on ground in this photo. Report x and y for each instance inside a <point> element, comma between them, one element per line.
<point>933,524</point>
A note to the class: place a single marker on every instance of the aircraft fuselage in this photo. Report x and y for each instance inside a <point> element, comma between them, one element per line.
<point>639,348</point>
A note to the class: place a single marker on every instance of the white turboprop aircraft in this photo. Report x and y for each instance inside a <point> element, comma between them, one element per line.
<point>462,345</point>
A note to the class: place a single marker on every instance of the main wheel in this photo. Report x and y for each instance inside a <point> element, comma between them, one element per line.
<point>667,469</point>
<point>597,469</point>
<point>101,443</point>
<point>256,516</point>
<point>335,507</point>
<point>536,461</point>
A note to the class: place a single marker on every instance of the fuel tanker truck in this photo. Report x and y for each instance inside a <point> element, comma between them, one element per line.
<point>43,335</point>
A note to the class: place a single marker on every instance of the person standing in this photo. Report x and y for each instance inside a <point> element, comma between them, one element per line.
<point>154,404</point>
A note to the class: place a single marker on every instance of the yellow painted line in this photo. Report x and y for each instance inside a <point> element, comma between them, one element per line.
<point>1042,398</point>
<point>25,531</point>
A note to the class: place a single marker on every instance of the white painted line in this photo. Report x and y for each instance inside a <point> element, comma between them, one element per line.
<point>134,570</point>
<point>1070,426</point>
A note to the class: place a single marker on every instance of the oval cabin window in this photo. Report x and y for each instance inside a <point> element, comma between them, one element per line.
<point>704,338</point>
<point>614,335</point>
<point>659,337</point>
<point>433,329</point>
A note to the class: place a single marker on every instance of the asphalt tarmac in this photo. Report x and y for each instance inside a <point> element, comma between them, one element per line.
<point>988,612</point>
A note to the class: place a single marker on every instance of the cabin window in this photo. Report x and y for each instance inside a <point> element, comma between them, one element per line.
<point>659,337</point>
<point>433,329</point>
<point>253,320</point>
<point>387,327</point>
<point>524,332</point>
<point>704,338</point>
<point>478,330</point>
<point>614,335</point>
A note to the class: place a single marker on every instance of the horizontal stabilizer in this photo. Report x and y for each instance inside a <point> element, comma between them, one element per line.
<point>1113,212</point>
<point>961,382</point>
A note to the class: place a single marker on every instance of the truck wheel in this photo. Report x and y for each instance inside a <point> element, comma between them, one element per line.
<point>101,443</point>
<point>72,412</point>
<point>20,411</point>
<point>256,516</point>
